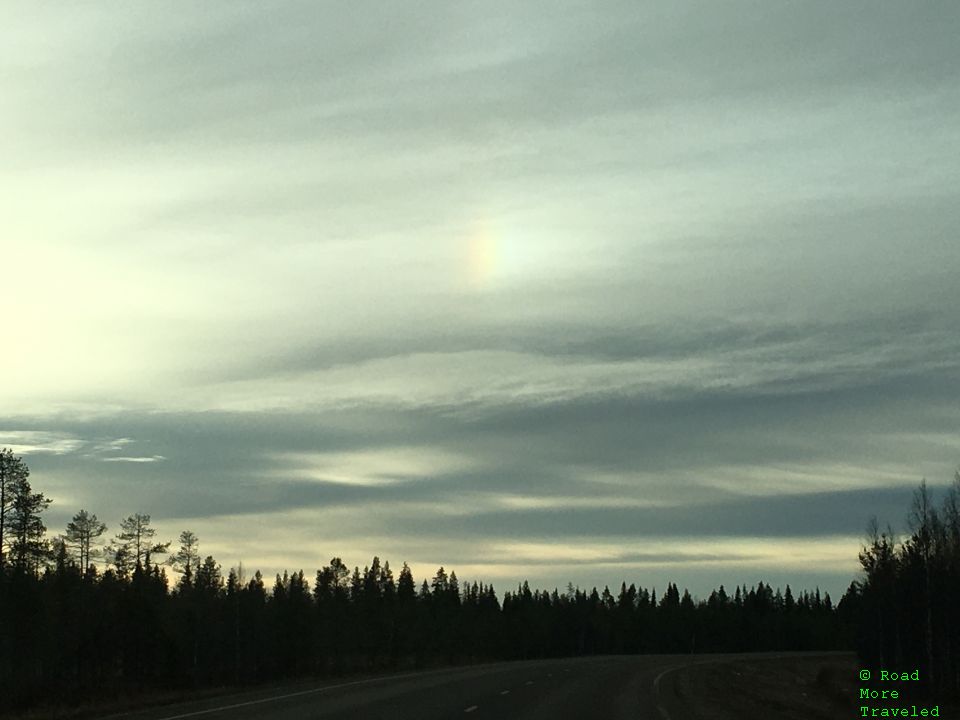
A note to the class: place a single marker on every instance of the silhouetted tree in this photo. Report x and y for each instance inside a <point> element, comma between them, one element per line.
<point>134,546</point>
<point>12,471</point>
<point>71,632</point>
<point>905,611</point>
<point>28,548</point>
<point>187,559</point>
<point>83,533</point>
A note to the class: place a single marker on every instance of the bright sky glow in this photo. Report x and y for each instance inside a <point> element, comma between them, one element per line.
<point>654,291</point>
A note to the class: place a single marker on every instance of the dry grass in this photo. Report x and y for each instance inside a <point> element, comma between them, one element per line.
<point>794,688</point>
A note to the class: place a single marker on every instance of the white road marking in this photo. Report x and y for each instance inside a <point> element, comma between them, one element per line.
<point>529,682</point>
<point>656,691</point>
<point>656,681</point>
<point>504,692</point>
<point>470,709</point>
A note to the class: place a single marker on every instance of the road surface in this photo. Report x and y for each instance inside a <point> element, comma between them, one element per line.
<point>611,687</point>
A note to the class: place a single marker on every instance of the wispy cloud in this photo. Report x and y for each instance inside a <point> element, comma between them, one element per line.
<point>652,268</point>
<point>109,446</point>
<point>38,442</point>
<point>135,459</point>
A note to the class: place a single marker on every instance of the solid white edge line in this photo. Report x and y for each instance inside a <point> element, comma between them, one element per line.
<point>656,691</point>
<point>710,661</point>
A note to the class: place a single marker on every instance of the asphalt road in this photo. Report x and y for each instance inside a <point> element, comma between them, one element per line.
<point>613,688</point>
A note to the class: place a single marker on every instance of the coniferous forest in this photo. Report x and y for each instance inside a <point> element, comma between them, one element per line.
<point>906,606</point>
<point>86,615</point>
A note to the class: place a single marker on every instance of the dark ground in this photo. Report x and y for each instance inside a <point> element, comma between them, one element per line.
<point>788,687</point>
<point>768,686</point>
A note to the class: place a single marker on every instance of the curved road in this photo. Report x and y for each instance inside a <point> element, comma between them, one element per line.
<point>611,687</point>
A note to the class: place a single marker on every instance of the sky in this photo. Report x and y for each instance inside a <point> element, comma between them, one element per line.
<point>578,293</point>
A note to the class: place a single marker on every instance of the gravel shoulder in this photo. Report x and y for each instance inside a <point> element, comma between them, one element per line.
<point>815,687</point>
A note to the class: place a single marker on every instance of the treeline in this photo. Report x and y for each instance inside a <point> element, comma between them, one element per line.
<point>907,608</point>
<point>70,630</point>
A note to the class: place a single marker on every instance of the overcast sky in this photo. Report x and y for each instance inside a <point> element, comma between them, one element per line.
<point>571,292</point>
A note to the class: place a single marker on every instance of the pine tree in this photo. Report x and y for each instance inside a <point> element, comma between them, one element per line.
<point>134,546</point>
<point>12,471</point>
<point>187,559</point>
<point>209,578</point>
<point>83,533</point>
<point>25,528</point>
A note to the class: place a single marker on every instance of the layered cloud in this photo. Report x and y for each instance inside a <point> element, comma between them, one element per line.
<point>655,288</point>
